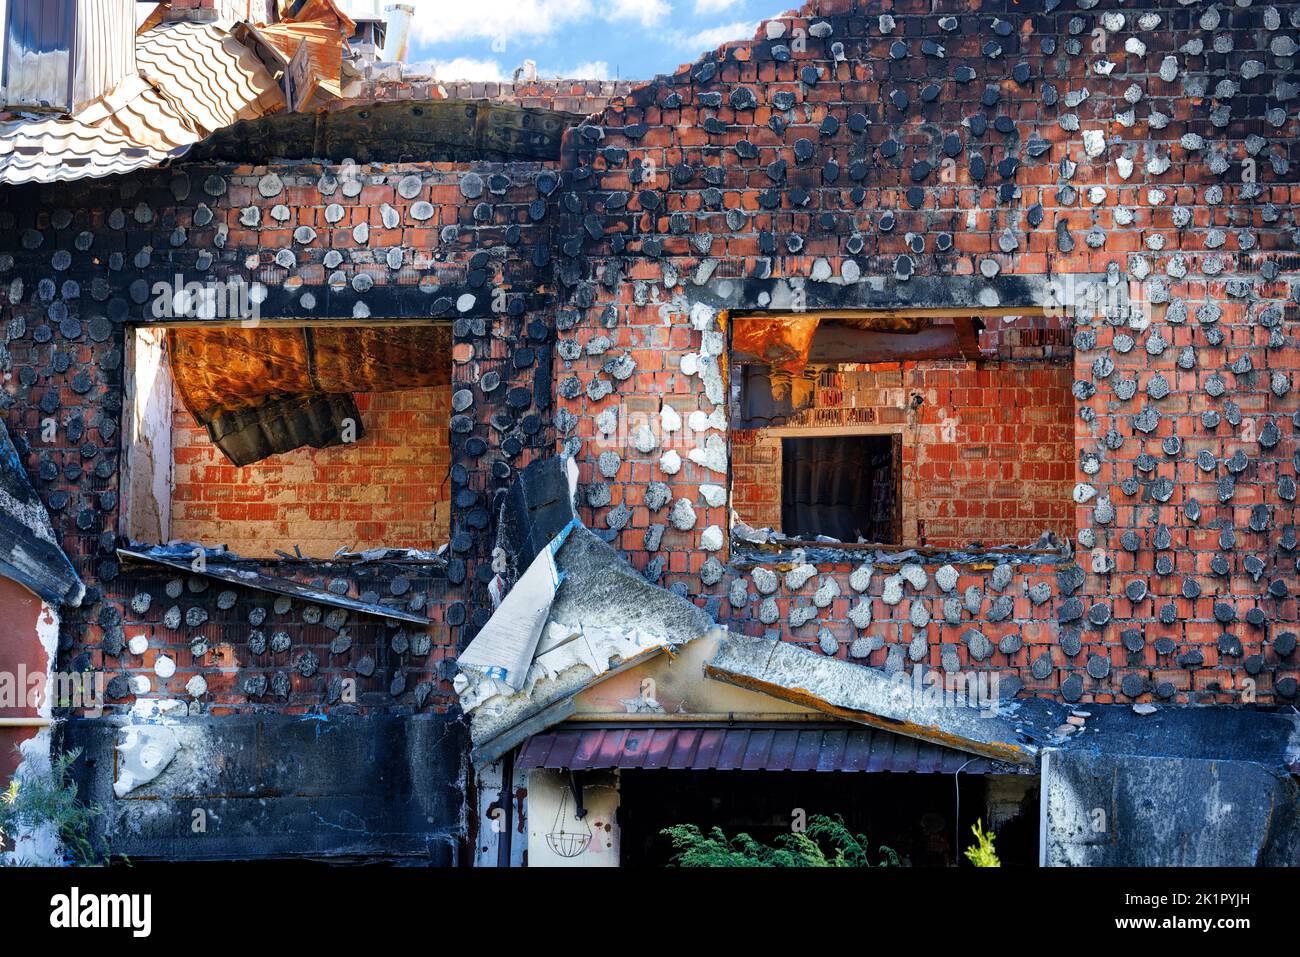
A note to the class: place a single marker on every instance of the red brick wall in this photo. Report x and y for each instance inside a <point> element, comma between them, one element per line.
<point>389,489</point>
<point>987,456</point>
<point>838,195</point>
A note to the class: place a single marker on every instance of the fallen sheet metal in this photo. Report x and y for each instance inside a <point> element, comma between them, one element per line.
<point>29,552</point>
<point>183,558</point>
<point>853,692</point>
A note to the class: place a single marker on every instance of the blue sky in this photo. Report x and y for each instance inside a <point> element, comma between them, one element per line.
<point>594,39</point>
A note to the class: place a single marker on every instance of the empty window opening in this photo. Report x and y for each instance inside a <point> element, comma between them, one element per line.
<point>287,441</point>
<point>845,487</point>
<point>887,429</point>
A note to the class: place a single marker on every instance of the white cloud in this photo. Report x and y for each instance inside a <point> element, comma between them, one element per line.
<point>591,70</point>
<point>710,39</point>
<point>500,21</point>
<point>648,13</point>
<point>467,68</point>
<point>713,6</point>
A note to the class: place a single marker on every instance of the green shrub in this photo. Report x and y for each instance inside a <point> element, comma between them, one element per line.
<point>39,800</point>
<point>825,843</point>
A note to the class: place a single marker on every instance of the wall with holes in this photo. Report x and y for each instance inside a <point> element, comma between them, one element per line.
<point>1131,169</point>
<point>463,244</point>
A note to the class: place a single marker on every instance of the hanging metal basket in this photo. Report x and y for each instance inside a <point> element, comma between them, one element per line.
<point>568,843</point>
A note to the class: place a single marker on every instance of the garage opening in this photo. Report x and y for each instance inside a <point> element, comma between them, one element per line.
<point>925,819</point>
<point>289,441</point>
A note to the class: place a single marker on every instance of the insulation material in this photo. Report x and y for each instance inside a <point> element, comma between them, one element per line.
<point>263,390</point>
<point>143,753</point>
<point>504,649</point>
<point>785,341</point>
<point>782,342</point>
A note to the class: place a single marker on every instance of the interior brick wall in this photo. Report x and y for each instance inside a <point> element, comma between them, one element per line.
<point>389,489</point>
<point>987,456</point>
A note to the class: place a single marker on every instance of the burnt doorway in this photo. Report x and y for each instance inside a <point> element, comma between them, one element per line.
<point>913,814</point>
<point>846,487</point>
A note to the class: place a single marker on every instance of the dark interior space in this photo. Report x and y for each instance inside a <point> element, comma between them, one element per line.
<point>846,487</point>
<point>911,813</point>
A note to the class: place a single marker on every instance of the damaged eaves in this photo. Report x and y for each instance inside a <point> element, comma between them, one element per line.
<point>183,558</point>
<point>604,619</point>
<point>600,616</point>
<point>778,747</point>
<point>439,131</point>
<point>845,690</point>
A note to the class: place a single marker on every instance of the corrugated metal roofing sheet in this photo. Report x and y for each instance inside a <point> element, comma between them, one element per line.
<point>193,79</point>
<point>746,749</point>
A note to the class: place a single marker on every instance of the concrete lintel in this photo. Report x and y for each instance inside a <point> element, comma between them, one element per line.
<point>864,695</point>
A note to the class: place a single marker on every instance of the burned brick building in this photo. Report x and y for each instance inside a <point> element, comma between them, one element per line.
<point>903,395</point>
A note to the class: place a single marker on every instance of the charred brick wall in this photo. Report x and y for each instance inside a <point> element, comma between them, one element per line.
<point>460,244</point>
<point>450,243</point>
<point>1131,168</point>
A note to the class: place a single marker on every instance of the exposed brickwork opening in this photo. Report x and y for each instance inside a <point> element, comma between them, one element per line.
<point>984,449</point>
<point>387,489</point>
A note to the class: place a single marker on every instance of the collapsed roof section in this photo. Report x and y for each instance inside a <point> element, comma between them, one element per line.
<point>192,79</point>
<point>29,553</point>
<point>315,32</point>
<point>578,614</point>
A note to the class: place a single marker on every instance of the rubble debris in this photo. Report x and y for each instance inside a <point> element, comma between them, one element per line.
<point>144,752</point>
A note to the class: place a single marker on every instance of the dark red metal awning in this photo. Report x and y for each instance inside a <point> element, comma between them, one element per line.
<point>747,749</point>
